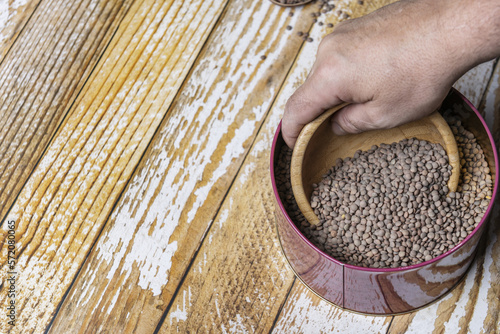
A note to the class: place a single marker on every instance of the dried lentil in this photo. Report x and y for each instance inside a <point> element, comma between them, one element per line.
<point>372,217</point>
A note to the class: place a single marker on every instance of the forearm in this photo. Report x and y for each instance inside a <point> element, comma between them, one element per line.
<point>469,31</point>
<point>394,65</point>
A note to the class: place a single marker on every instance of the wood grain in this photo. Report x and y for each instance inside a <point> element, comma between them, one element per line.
<point>304,312</point>
<point>473,83</point>
<point>239,279</point>
<point>13,18</point>
<point>70,194</point>
<point>490,105</point>
<point>41,77</point>
<point>176,192</point>
<point>149,201</point>
<point>225,290</point>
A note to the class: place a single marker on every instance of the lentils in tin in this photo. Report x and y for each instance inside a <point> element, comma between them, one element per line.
<point>389,206</point>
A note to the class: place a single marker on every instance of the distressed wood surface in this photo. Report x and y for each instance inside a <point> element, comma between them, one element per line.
<point>136,168</point>
<point>473,84</point>
<point>176,192</point>
<point>228,286</point>
<point>303,312</point>
<point>13,17</point>
<point>67,199</point>
<point>41,76</point>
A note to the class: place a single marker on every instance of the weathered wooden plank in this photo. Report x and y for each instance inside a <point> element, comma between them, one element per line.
<point>490,105</point>
<point>42,75</point>
<point>239,280</point>
<point>70,194</point>
<point>13,17</point>
<point>304,312</point>
<point>154,232</point>
<point>225,290</point>
<point>473,83</point>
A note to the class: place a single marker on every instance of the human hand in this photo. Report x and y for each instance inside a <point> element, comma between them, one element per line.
<point>394,65</point>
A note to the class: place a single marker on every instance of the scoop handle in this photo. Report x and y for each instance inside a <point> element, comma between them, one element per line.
<point>297,162</point>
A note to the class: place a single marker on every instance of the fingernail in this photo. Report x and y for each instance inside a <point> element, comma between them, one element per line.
<point>337,129</point>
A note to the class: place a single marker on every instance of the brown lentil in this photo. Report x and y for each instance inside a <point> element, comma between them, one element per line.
<point>371,215</point>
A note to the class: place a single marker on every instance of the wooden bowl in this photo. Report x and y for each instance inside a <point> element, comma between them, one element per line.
<point>385,291</point>
<point>317,149</point>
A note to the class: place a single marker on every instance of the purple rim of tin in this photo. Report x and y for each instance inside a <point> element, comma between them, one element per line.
<point>422,264</point>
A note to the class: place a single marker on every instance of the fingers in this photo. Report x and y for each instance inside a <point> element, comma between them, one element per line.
<point>356,118</point>
<point>307,103</point>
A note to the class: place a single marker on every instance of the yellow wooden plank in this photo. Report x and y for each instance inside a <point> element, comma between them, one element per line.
<point>69,196</point>
<point>238,281</point>
<point>13,17</point>
<point>172,199</point>
<point>42,75</point>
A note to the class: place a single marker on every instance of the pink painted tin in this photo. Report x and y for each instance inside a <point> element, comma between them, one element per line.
<point>384,291</point>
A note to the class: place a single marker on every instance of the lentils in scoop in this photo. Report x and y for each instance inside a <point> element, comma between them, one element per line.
<point>389,206</point>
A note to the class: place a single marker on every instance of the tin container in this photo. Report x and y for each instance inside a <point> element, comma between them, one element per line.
<point>385,291</point>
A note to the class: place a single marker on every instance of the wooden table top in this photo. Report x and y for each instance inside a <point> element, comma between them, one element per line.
<point>135,139</point>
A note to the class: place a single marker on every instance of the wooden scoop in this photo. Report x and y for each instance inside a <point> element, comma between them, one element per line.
<point>317,150</point>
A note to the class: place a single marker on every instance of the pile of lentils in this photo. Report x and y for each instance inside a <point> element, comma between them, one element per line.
<point>390,206</point>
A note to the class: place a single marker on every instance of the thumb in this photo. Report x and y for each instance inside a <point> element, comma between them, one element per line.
<point>355,118</point>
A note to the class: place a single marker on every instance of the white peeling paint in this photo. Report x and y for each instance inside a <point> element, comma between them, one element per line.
<point>453,324</point>
<point>223,215</point>
<point>235,150</point>
<point>181,314</point>
<point>247,170</point>
<point>217,307</point>
<point>473,83</point>
<point>237,325</point>
<point>148,223</point>
<point>480,311</point>
<point>113,302</point>
<point>85,294</point>
<point>303,315</point>
<point>423,321</point>
<point>8,9</point>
